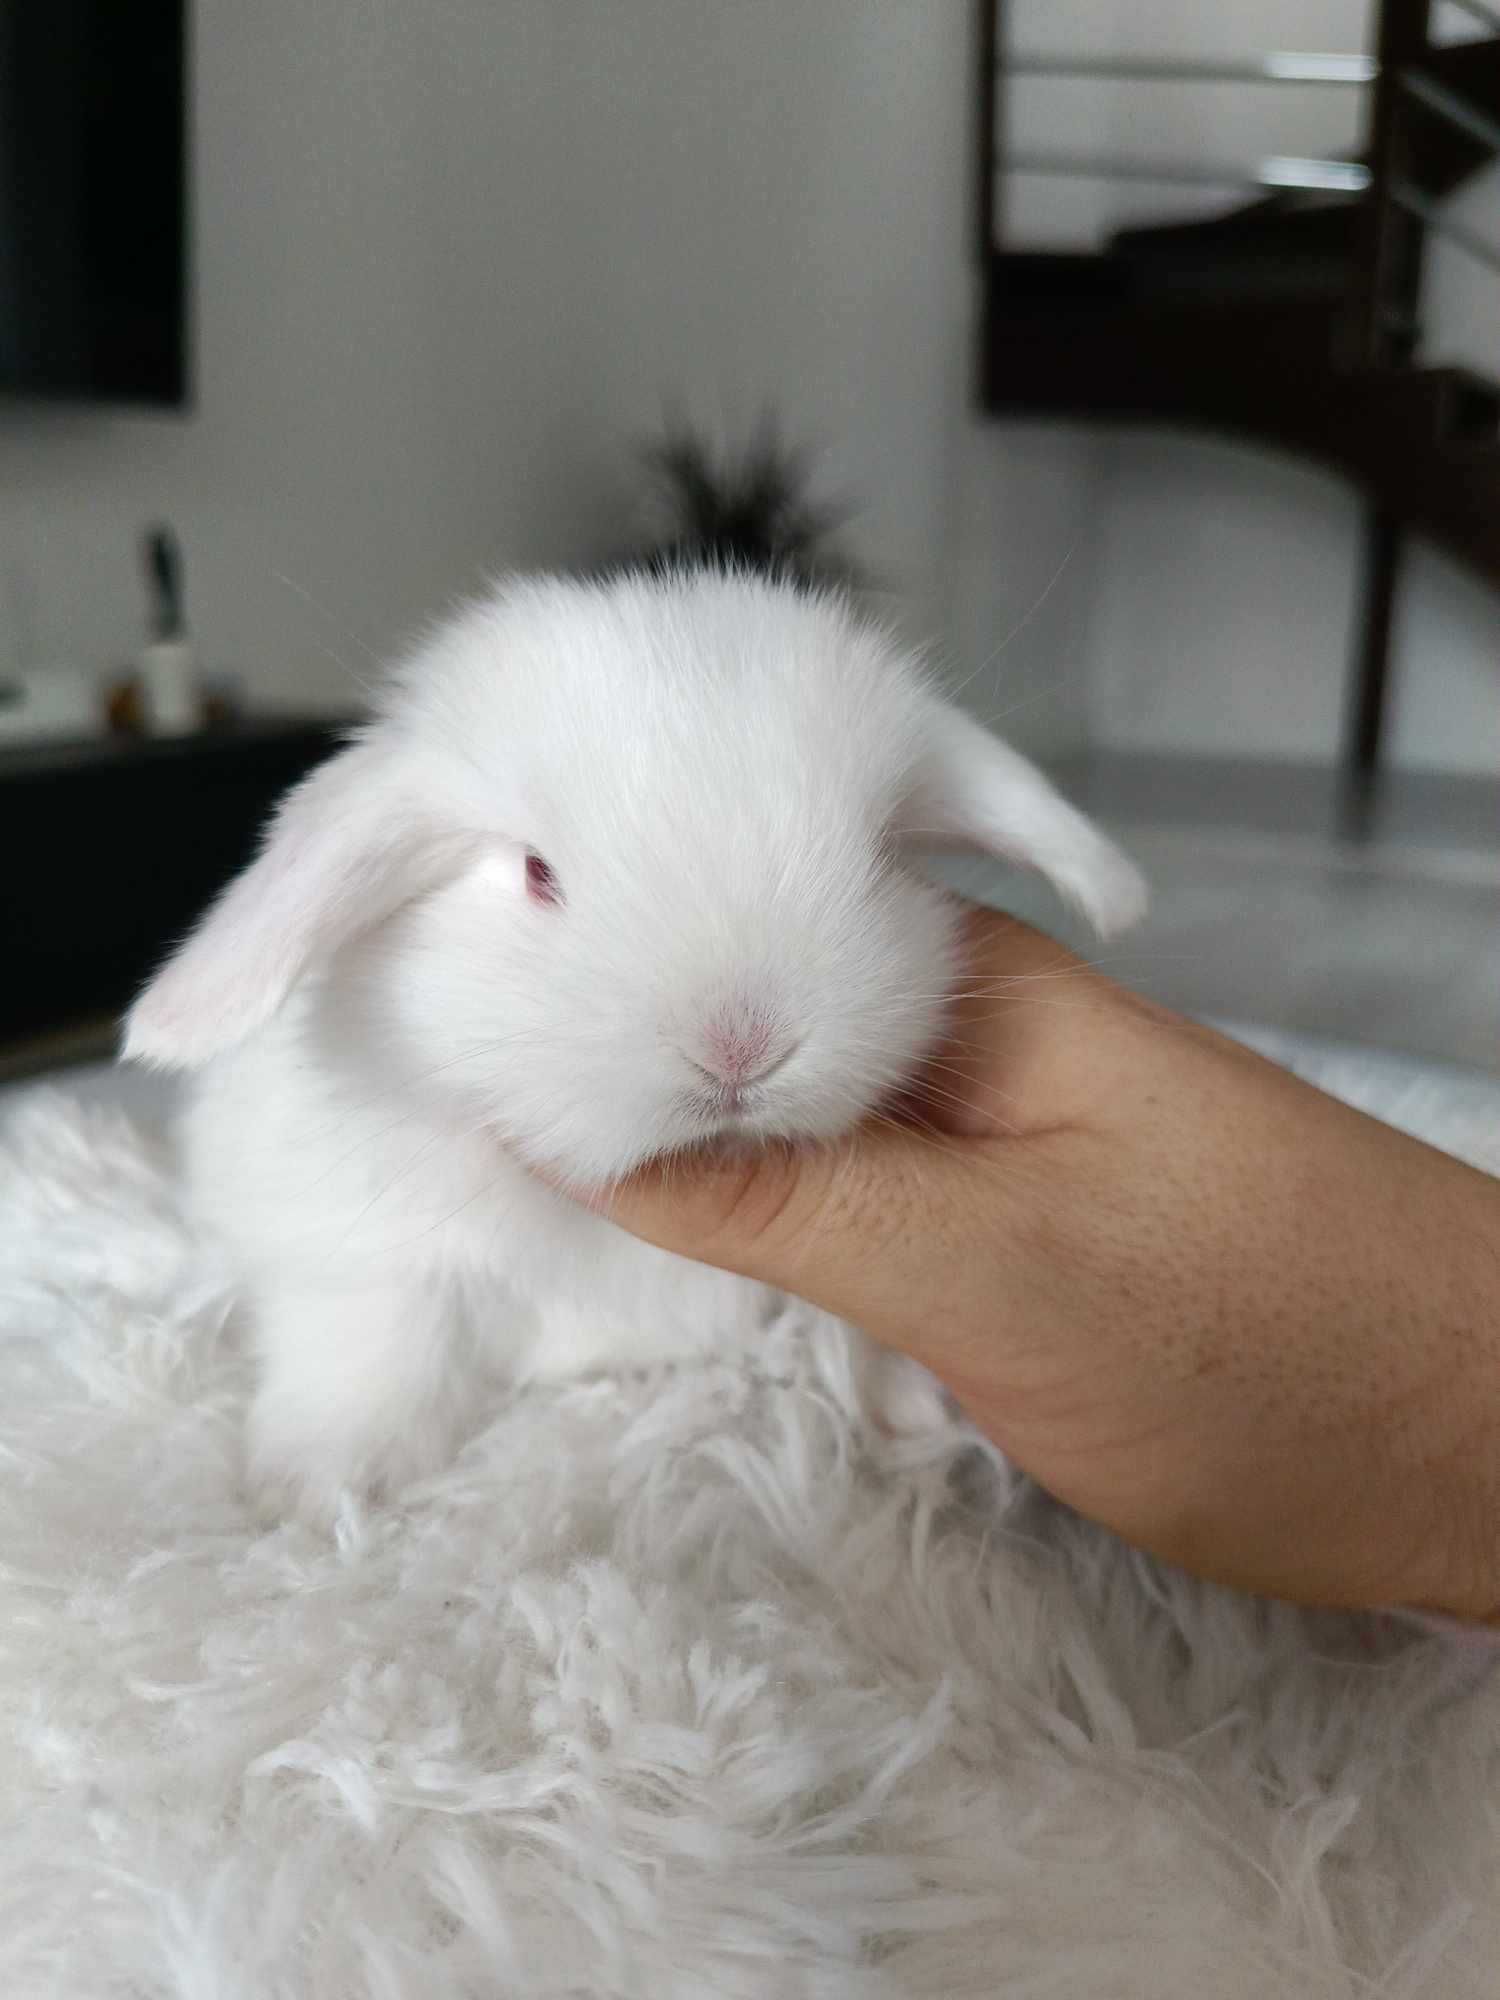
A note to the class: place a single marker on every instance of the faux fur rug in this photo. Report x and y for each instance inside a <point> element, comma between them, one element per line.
<point>670,1688</point>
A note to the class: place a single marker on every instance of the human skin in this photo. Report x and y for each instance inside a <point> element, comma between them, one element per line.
<point>1249,1329</point>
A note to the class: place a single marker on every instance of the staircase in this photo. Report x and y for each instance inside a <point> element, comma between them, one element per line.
<point>1292,320</point>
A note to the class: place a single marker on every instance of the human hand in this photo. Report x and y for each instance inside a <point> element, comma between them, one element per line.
<point>1247,1328</point>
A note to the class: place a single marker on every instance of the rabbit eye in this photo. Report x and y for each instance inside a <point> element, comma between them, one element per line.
<point>541,883</point>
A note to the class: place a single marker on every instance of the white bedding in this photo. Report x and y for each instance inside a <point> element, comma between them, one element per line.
<point>670,1688</point>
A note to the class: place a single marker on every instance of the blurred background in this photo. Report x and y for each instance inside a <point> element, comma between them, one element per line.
<point>1152,348</point>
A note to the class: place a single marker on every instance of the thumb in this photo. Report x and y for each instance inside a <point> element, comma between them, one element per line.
<point>857,1228</point>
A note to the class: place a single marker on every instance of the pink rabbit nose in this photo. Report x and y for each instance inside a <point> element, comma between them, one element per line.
<point>736,1054</point>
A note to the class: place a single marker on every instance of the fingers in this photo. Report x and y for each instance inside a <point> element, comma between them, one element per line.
<point>828,1223</point>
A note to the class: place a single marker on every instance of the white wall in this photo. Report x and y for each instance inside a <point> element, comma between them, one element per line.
<point>1222,603</point>
<point>1460,293</point>
<point>1222,617</point>
<point>1445,703</point>
<point>453,259</point>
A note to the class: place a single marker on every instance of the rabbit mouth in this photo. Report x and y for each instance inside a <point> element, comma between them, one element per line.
<point>731,1110</point>
<point>731,1105</point>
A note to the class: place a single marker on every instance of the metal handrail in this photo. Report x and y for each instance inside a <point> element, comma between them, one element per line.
<point>1289,66</point>
<point>1322,176</point>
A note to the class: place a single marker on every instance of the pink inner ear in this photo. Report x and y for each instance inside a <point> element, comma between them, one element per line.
<point>541,884</point>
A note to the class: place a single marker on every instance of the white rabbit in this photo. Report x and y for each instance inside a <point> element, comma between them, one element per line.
<point>618,868</point>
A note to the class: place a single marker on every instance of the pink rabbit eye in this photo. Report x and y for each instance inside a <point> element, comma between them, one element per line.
<point>541,883</point>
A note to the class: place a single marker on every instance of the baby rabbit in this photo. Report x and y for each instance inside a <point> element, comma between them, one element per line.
<point>618,868</point>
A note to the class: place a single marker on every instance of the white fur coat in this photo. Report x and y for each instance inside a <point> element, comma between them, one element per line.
<point>670,1688</point>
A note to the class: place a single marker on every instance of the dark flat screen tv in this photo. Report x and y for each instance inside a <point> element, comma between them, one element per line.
<point>93,200</point>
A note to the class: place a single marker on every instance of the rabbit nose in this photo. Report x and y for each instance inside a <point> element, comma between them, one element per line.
<point>736,1054</point>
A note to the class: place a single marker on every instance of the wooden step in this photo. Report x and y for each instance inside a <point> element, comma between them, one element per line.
<point>1426,443</point>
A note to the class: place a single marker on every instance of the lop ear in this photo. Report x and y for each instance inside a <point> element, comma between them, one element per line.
<point>975,792</point>
<point>345,848</point>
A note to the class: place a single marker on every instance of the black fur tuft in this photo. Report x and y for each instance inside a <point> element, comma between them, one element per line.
<point>752,512</point>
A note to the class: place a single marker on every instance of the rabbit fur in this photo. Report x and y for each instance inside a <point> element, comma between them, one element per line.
<point>616,869</point>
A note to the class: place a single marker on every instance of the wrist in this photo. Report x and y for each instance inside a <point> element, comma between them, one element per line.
<point>1455,1573</point>
<point>1460,1581</point>
<point>1416,1336</point>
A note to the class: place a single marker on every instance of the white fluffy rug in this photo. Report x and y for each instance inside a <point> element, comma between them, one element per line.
<point>671,1688</point>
